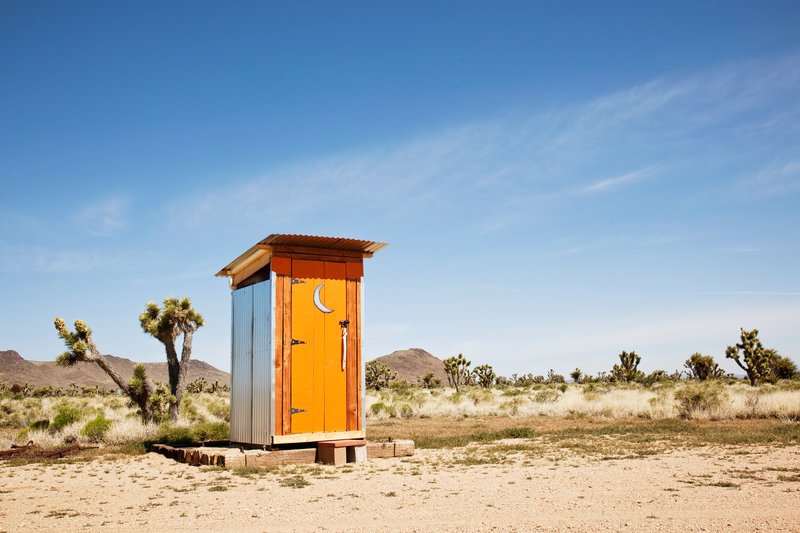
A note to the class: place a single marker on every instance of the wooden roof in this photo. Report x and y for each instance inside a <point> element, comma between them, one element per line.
<point>261,252</point>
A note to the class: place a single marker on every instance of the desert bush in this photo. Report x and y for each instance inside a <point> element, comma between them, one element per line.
<point>220,408</point>
<point>479,395</point>
<point>511,407</point>
<point>699,400</point>
<point>39,425</point>
<point>429,381</point>
<point>96,428</point>
<point>546,396</point>
<point>65,416</point>
<point>377,407</point>
<point>179,435</point>
<point>406,411</point>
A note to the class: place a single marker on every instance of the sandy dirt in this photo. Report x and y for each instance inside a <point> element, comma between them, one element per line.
<point>475,488</point>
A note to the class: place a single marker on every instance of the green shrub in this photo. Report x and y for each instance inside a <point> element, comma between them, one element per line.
<point>39,425</point>
<point>406,411</point>
<point>96,428</point>
<point>479,395</point>
<point>220,408</point>
<point>546,396</point>
<point>377,407</point>
<point>184,435</point>
<point>66,415</point>
<point>700,398</point>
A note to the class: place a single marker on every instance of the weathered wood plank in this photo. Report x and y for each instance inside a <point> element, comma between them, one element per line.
<point>380,449</point>
<point>403,448</point>
<point>315,437</point>
<point>353,379</point>
<point>289,249</point>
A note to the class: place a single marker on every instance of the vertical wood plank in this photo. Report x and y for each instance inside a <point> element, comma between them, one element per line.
<point>359,367</point>
<point>353,384</point>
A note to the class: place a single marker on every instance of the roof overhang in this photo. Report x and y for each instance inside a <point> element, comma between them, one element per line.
<point>301,246</point>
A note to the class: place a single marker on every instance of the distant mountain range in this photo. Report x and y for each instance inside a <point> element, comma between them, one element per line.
<point>414,363</point>
<point>15,369</point>
<point>410,366</point>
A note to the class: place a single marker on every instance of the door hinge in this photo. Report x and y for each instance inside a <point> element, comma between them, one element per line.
<point>294,411</point>
<point>295,341</point>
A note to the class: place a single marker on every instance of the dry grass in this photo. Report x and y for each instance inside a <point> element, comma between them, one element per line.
<point>596,401</point>
<point>126,426</point>
<point>441,417</point>
<point>606,438</point>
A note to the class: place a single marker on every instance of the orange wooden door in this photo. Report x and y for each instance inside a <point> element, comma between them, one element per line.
<point>319,304</point>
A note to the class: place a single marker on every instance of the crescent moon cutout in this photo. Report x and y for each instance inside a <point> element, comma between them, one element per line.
<point>318,302</point>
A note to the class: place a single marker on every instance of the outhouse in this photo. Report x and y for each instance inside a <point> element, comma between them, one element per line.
<point>297,374</point>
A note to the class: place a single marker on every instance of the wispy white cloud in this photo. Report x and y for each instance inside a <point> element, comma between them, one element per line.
<point>740,249</point>
<point>103,219</point>
<point>617,182</point>
<point>774,179</point>
<point>492,175</point>
<point>43,259</point>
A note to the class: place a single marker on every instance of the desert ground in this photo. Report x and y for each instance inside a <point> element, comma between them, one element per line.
<point>508,485</point>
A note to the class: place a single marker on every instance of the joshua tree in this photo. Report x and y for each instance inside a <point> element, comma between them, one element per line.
<point>457,370</point>
<point>378,376</point>
<point>429,381</point>
<point>781,367</point>
<point>576,375</point>
<point>756,362</point>
<point>177,317</point>
<point>484,375</point>
<point>628,369</point>
<point>703,367</point>
<point>81,347</point>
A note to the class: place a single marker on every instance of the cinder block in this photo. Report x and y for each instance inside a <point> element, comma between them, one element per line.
<point>332,456</point>
<point>356,454</point>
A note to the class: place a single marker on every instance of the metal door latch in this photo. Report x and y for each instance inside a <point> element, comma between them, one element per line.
<point>295,341</point>
<point>294,411</point>
<point>298,281</point>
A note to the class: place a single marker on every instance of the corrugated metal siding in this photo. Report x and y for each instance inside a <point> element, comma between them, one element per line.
<point>314,241</point>
<point>262,347</point>
<point>242,365</point>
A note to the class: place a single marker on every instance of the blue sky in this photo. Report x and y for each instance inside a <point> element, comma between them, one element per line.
<point>558,181</point>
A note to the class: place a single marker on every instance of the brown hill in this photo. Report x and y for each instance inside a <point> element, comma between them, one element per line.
<point>414,363</point>
<point>15,369</point>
